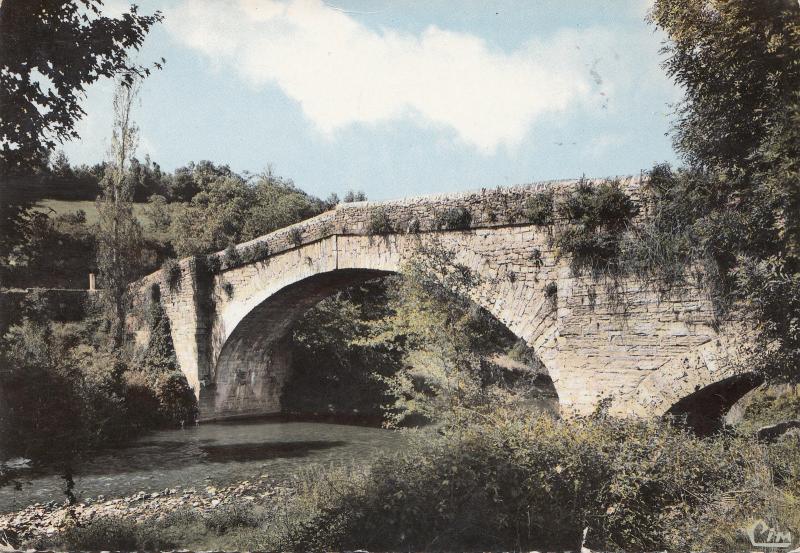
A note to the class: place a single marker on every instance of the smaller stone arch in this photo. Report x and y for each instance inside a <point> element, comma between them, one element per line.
<point>703,411</point>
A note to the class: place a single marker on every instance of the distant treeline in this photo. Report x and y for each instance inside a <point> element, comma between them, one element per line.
<point>196,209</point>
<point>56,178</point>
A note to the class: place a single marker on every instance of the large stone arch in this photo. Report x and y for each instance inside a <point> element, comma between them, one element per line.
<point>248,354</point>
<point>624,338</point>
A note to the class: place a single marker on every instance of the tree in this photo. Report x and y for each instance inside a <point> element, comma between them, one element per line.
<point>353,196</point>
<point>158,212</point>
<point>278,203</point>
<point>214,218</point>
<point>227,208</point>
<point>119,239</point>
<point>60,165</point>
<point>148,179</point>
<point>196,177</point>
<point>50,51</point>
<point>447,341</point>
<point>738,62</point>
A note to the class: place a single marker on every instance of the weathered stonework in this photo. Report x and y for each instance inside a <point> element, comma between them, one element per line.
<point>626,339</point>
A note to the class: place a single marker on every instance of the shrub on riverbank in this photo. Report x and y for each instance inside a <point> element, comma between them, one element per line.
<point>513,481</point>
<point>64,390</point>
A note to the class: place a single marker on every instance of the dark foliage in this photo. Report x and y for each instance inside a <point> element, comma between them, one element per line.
<point>255,252</point>
<point>331,371</point>
<point>454,218</point>
<point>210,264</point>
<point>39,36</point>
<point>172,273</point>
<point>738,202</point>
<point>379,222</point>
<point>596,217</point>
<point>232,257</point>
<point>296,236</point>
<point>539,209</point>
<point>515,481</point>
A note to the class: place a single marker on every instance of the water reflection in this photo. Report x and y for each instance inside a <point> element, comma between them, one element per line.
<point>210,454</point>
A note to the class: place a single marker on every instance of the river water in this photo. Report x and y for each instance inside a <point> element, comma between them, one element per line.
<point>210,454</point>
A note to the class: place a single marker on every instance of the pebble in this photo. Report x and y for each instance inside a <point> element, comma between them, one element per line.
<point>50,518</point>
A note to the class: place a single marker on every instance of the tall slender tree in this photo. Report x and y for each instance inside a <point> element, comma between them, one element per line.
<point>119,240</point>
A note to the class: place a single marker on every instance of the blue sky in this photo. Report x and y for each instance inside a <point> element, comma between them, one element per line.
<point>398,97</point>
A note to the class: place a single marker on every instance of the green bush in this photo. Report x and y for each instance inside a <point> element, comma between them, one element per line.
<point>158,355</point>
<point>593,251</point>
<point>379,222</point>
<point>232,257</point>
<point>604,205</point>
<point>514,481</point>
<point>296,236</point>
<point>255,252</point>
<point>171,270</point>
<point>210,264</point>
<point>65,391</point>
<point>176,399</point>
<point>539,208</point>
<point>454,218</point>
<point>597,217</point>
<point>504,480</point>
<point>414,226</point>
<point>664,243</point>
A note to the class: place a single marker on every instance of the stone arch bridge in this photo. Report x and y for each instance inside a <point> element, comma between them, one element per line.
<point>648,350</point>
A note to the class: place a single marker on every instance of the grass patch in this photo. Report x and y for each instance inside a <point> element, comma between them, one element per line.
<point>92,217</point>
<point>228,527</point>
<point>769,406</point>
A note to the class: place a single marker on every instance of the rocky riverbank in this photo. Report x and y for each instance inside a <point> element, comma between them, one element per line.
<point>45,521</point>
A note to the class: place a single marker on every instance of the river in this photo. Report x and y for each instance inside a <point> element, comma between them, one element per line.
<point>210,454</point>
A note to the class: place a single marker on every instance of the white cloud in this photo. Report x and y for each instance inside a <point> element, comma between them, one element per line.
<point>343,73</point>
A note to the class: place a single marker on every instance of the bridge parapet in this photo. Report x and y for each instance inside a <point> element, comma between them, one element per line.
<point>486,208</point>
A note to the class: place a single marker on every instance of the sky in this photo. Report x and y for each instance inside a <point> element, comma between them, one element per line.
<point>398,97</point>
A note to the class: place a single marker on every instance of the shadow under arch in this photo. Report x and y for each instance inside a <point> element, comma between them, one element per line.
<point>256,359</point>
<point>704,410</point>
